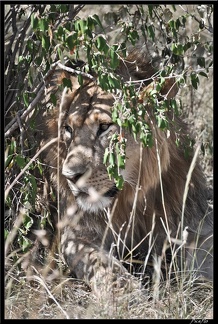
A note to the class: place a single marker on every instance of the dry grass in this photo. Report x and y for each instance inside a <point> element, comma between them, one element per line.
<point>37,297</point>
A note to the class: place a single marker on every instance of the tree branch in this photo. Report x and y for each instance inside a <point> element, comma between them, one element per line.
<point>71,70</point>
<point>24,113</point>
<point>27,166</point>
<point>40,92</point>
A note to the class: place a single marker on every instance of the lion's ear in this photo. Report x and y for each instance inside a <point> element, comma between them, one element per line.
<point>168,90</point>
<point>73,82</point>
<point>63,78</point>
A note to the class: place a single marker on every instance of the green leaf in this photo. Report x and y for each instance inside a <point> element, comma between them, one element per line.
<point>60,31</point>
<point>96,18</point>
<point>173,104</point>
<point>28,222</point>
<point>26,99</point>
<point>203,74</point>
<point>33,185</point>
<point>39,165</point>
<point>177,49</point>
<point>80,80</point>
<point>72,40</point>
<point>119,182</point>
<point>183,21</point>
<point>201,61</point>
<point>114,58</point>
<point>103,81</point>
<point>60,54</point>
<point>34,21</point>
<point>162,122</point>
<point>121,161</point>
<point>133,36</point>
<point>114,83</point>
<point>6,232</point>
<point>45,42</point>
<point>43,25</point>
<point>90,26</point>
<point>64,8</point>
<point>153,93</point>
<point>123,49</point>
<point>24,243</point>
<point>178,23</point>
<point>151,32</point>
<point>187,46</point>
<point>101,44</point>
<point>81,25</point>
<point>112,159</point>
<point>194,80</point>
<point>21,162</point>
<point>38,60</point>
<point>210,64</point>
<point>53,99</point>
<point>67,83</point>
<point>13,147</point>
<point>114,114</point>
<point>8,160</point>
<point>146,139</point>
<point>150,10</point>
<point>106,154</point>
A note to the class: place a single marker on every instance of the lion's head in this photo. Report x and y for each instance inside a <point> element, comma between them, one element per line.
<point>87,130</point>
<point>152,197</point>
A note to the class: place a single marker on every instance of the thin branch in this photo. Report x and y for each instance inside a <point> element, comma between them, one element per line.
<point>27,112</point>
<point>210,28</point>
<point>73,11</point>
<point>21,134</point>
<point>71,70</point>
<point>14,124</point>
<point>28,164</point>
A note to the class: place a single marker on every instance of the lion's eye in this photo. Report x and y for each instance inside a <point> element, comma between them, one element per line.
<point>102,128</point>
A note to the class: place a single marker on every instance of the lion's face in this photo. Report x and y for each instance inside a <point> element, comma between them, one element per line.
<point>86,131</point>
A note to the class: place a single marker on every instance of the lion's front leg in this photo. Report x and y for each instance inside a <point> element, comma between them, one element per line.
<point>102,271</point>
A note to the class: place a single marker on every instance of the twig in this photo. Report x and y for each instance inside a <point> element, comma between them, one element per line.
<point>29,109</point>
<point>71,70</point>
<point>21,134</point>
<point>210,28</point>
<point>28,164</point>
<point>188,178</point>
<point>14,124</point>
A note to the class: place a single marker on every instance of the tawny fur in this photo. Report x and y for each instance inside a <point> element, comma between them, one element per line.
<point>84,239</point>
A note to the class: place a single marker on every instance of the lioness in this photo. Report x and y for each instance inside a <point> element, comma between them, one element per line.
<point>105,230</point>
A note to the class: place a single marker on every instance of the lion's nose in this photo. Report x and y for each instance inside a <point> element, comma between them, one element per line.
<point>73,176</point>
<point>77,175</point>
